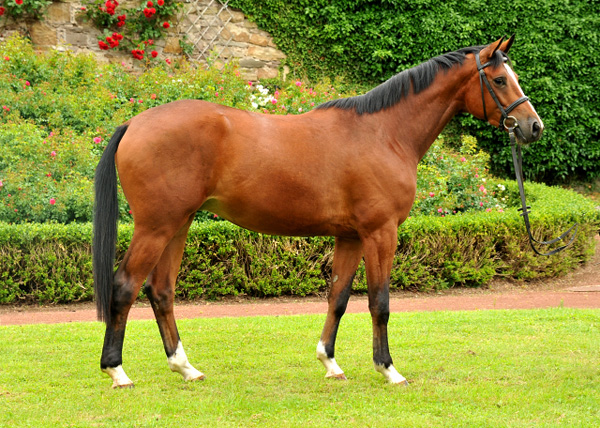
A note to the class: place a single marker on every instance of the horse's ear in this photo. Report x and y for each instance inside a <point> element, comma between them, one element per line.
<point>489,51</point>
<point>498,45</point>
<point>508,44</point>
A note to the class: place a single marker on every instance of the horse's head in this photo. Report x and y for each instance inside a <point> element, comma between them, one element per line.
<point>495,95</point>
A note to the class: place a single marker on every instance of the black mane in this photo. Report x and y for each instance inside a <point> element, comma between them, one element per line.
<point>419,78</point>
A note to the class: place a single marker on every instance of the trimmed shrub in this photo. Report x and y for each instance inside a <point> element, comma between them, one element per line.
<point>51,263</point>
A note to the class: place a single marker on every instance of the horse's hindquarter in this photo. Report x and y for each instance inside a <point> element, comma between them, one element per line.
<point>312,174</point>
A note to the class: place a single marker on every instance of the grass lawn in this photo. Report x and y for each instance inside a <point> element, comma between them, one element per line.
<point>534,368</point>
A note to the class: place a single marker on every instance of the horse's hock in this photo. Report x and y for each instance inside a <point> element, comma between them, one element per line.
<point>210,28</point>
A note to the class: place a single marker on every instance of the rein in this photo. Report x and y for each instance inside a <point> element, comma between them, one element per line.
<point>510,123</point>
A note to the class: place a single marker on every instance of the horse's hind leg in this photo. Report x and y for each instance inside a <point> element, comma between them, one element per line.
<point>347,255</point>
<point>160,289</point>
<point>141,257</point>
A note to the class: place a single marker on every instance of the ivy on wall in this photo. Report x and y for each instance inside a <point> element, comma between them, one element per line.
<point>371,40</point>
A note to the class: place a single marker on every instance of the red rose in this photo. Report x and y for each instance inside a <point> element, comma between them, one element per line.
<point>138,54</point>
<point>112,42</point>
<point>149,4</point>
<point>2,10</point>
<point>103,45</point>
<point>154,54</point>
<point>166,25</point>
<point>160,2</point>
<point>19,2</point>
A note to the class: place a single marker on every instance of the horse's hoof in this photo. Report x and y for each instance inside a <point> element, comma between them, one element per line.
<point>197,379</point>
<point>338,376</point>
<point>123,386</point>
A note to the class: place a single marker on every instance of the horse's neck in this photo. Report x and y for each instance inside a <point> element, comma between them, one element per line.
<point>418,120</point>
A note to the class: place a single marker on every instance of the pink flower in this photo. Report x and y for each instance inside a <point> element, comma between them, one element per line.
<point>97,140</point>
<point>463,159</point>
<point>431,194</point>
<point>27,83</point>
<point>52,201</point>
<point>298,83</point>
<point>53,153</point>
<point>153,96</point>
<point>274,101</point>
<point>1,184</point>
<point>480,204</point>
<point>5,108</point>
<point>440,210</point>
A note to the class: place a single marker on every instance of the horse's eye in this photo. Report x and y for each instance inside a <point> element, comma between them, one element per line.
<point>500,81</point>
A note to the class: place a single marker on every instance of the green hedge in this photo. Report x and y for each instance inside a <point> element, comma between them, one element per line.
<point>369,41</point>
<point>51,263</point>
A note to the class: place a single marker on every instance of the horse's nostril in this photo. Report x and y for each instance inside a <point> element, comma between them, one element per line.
<point>536,129</point>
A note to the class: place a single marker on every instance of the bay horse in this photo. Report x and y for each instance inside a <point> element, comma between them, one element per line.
<point>346,169</point>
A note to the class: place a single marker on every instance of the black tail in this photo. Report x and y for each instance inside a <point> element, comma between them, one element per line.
<point>106,214</point>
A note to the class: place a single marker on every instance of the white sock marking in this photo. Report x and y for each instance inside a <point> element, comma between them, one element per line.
<point>333,370</point>
<point>118,376</point>
<point>178,362</point>
<point>391,374</point>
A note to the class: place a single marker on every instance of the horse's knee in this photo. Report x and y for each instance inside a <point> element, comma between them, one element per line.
<point>160,297</point>
<point>380,312</point>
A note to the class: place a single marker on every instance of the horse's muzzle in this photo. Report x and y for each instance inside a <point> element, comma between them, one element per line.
<point>529,130</point>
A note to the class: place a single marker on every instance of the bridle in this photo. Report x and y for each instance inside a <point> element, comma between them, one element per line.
<point>483,79</point>
<point>510,123</point>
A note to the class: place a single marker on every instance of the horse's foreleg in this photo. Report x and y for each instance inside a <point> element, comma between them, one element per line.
<point>160,289</point>
<point>347,255</point>
<point>139,259</point>
<point>379,255</point>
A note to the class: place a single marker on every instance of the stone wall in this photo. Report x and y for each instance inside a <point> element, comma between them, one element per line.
<point>214,30</point>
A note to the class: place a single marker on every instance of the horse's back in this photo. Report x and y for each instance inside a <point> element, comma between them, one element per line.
<point>288,175</point>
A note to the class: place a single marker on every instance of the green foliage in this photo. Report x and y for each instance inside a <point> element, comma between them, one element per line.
<point>369,41</point>
<point>52,263</point>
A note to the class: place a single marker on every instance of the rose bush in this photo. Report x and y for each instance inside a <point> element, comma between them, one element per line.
<point>23,9</point>
<point>132,29</point>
